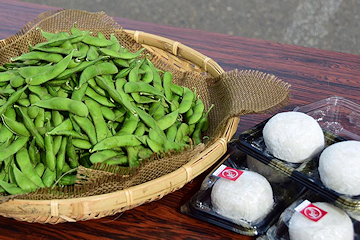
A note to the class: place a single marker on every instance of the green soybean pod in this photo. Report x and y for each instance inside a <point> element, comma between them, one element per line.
<point>95,41</point>
<point>68,133</point>
<point>52,72</point>
<point>66,168</point>
<point>38,55</point>
<point>154,146</point>
<point>64,48</point>
<point>171,133</point>
<point>140,129</point>
<point>40,118</point>
<point>30,71</point>
<point>153,135</point>
<point>12,99</point>
<point>96,88</point>
<point>116,141</point>
<point>121,62</point>
<point>156,76</point>
<point>178,90</point>
<point>88,127</point>
<point>59,39</point>
<point>11,188</point>
<point>60,157</point>
<point>15,126</point>
<point>153,107</point>
<point>65,125</point>
<point>49,151</point>
<point>56,118</point>
<point>17,81</point>
<point>72,64</point>
<point>33,152</point>
<point>49,177</point>
<point>197,132</point>
<point>6,76</point>
<point>132,154</point>
<point>96,70</point>
<point>14,147</point>
<point>39,91</point>
<point>39,169</point>
<point>64,104</point>
<point>167,120</point>
<point>174,105</point>
<point>198,112</point>
<point>149,75</point>
<point>24,102</point>
<point>33,111</point>
<point>191,128</point>
<point>92,53</point>
<point>81,143</point>
<point>130,124</point>
<point>182,131</point>
<point>159,113</point>
<point>73,157</point>
<point>145,153</point>
<point>109,80</point>
<point>23,181</point>
<point>118,95</point>
<point>103,155</point>
<point>23,161</point>
<point>122,55</point>
<point>97,118</point>
<point>107,113</point>
<point>123,73</point>
<point>81,51</point>
<point>117,160</point>
<point>142,87</point>
<point>186,101</point>
<point>47,35</point>
<point>78,94</point>
<point>167,77</point>
<point>83,65</point>
<point>5,134</point>
<point>115,46</point>
<point>104,101</point>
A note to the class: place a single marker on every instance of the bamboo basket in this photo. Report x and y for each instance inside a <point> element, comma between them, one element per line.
<point>183,58</point>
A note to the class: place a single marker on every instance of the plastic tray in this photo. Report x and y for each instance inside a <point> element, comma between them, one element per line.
<point>339,119</point>
<point>280,230</point>
<point>199,206</point>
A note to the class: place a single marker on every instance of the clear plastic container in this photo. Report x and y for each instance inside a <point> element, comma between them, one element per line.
<point>339,119</point>
<point>201,205</point>
<point>337,115</point>
<point>338,225</point>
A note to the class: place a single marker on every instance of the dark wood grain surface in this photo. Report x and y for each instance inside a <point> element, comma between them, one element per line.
<point>314,74</point>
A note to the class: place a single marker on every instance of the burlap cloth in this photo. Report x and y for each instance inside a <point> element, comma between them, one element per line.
<point>233,93</point>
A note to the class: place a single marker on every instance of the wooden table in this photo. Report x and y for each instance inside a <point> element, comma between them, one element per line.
<point>314,74</point>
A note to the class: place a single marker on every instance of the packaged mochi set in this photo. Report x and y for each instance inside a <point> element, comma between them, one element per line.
<point>294,176</point>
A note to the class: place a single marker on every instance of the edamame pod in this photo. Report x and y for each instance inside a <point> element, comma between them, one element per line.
<point>186,101</point>
<point>64,104</point>
<point>116,141</point>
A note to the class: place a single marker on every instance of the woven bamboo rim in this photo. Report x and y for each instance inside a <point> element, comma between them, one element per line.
<point>79,209</point>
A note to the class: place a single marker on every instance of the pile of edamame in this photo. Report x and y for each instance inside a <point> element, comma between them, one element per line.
<point>78,99</point>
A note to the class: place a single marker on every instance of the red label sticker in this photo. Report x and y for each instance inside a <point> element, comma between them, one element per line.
<point>228,173</point>
<point>311,211</point>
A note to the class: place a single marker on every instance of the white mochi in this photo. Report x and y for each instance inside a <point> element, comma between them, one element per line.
<point>248,198</point>
<point>335,225</point>
<point>271,174</point>
<point>293,136</point>
<point>339,167</point>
